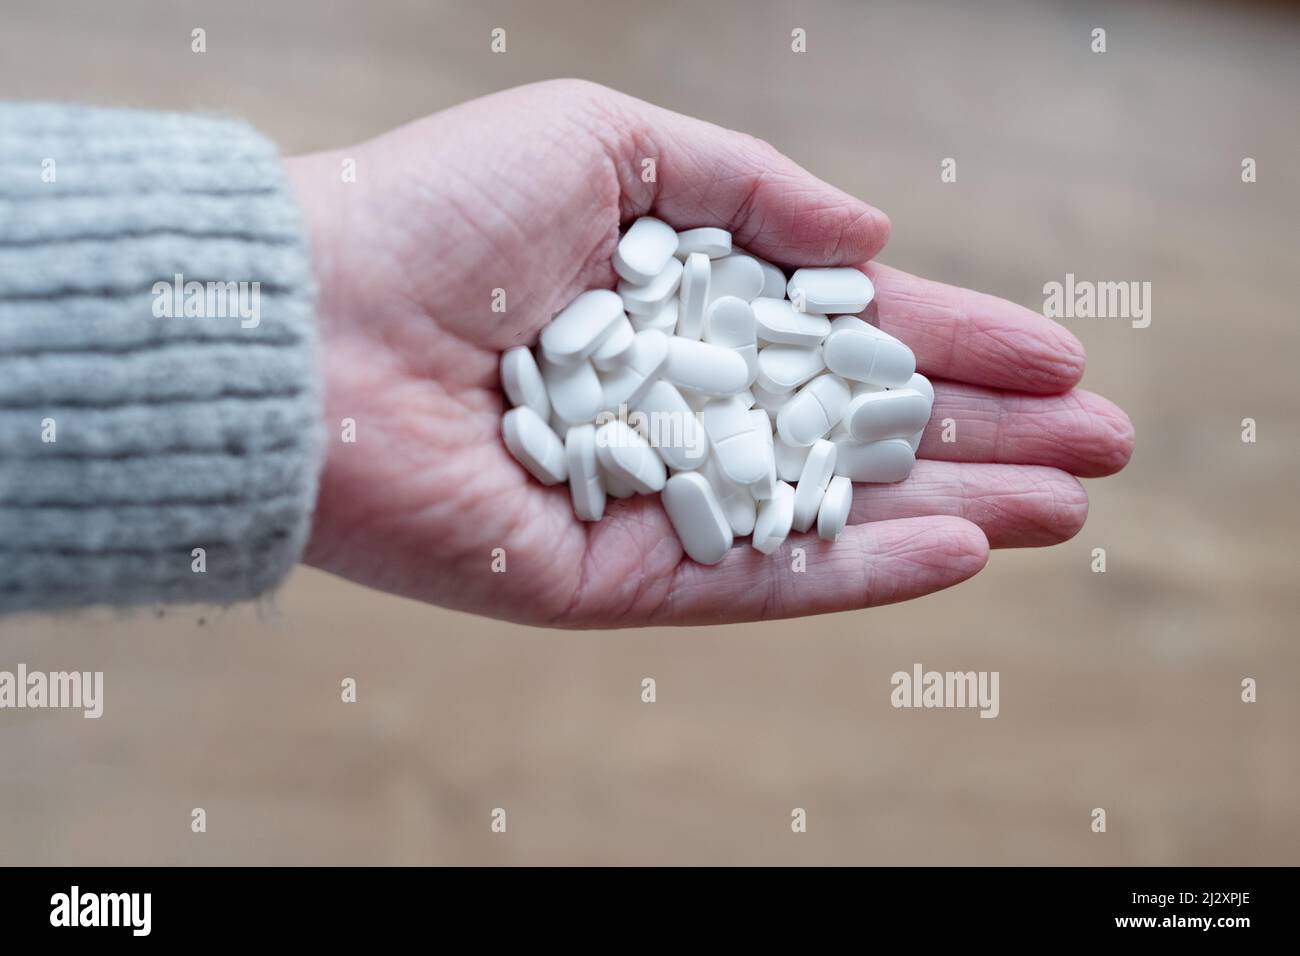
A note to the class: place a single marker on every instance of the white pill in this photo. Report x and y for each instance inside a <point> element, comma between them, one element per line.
<point>649,298</point>
<point>841,289</point>
<point>894,413</point>
<point>522,381</point>
<point>697,400</point>
<point>773,280</point>
<point>694,296</point>
<point>789,458</point>
<point>747,396</point>
<point>770,402</point>
<point>532,443</point>
<point>575,391</point>
<point>581,326</point>
<point>779,323</point>
<point>814,410</point>
<point>613,351</point>
<point>783,368</point>
<point>706,368</point>
<point>878,461</point>
<point>919,383</point>
<point>584,473</point>
<point>665,320</point>
<point>875,356</point>
<point>645,249</point>
<point>714,243</point>
<point>737,503</point>
<point>671,427</point>
<point>738,275</point>
<point>765,487</point>
<point>833,512</point>
<point>697,517</point>
<point>775,517</point>
<point>616,487</point>
<point>730,323</point>
<point>740,450</point>
<point>816,474</point>
<point>645,358</point>
<point>627,456</point>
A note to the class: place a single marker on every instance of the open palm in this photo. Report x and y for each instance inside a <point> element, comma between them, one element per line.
<point>524,192</point>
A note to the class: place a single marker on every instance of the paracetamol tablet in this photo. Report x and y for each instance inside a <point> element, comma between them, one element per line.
<point>694,296</point>
<point>841,289</point>
<point>891,413</point>
<point>775,517</point>
<point>522,381</point>
<point>714,243</point>
<point>704,367</point>
<point>783,368</point>
<point>737,275</point>
<point>885,461</point>
<point>649,298</point>
<point>627,456</point>
<point>697,517</point>
<point>584,473</point>
<point>645,249</point>
<point>779,323</point>
<point>814,410</point>
<point>818,470</point>
<point>533,444</point>
<point>833,512</point>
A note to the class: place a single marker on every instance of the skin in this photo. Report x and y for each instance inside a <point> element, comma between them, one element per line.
<point>526,190</point>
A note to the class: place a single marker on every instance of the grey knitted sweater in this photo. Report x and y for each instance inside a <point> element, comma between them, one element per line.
<point>159,441</point>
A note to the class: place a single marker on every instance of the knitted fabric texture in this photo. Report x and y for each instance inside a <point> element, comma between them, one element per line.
<point>129,440</point>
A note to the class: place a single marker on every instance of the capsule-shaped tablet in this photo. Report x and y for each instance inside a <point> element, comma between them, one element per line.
<point>522,381</point>
<point>789,458</point>
<point>714,243</point>
<point>893,413</point>
<point>814,410</point>
<point>615,487</point>
<point>818,470</point>
<point>833,512</point>
<point>694,296</point>
<point>783,368</point>
<point>739,448</point>
<point>671,427</point>
<point>840,289</point>
<point>584,473</point>
<point>780,324</point>
<point>650,298</point>
<point>868,356</point>
<point>706,368</point>
<point>643,362</point>
<point>575,391</point>
<point>878,461</point>
<point>645,249</point>
<point>532,443</point>
<point>774,520</point>
<point>765,487</point>
<point>627,456</point>
<point>730,324</point>
<point>697,517</point>
<point>738,505</point>
<point>611,353</point>
<point>773,279</point>
<point>919,383</point>
<point>769,402</point>
<point>736,275</point>
<point>581,326</point>
<point>665,320</point>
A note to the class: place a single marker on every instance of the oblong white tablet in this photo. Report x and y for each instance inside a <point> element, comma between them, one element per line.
<point>584,473</point>
<point>611,352</point>
<point>645,249</point>
<point>840,289</point>
<point>919,383</point>
<point>650,297</point>
<point>773,279</point>
<point>730,323</point>
<point>581,326</point>
<point>665,320</point>
<point>789,458</point>
<point>875,356</point>
<point>878,461</point>
<point>575,391</point>
<point>738,505</point>
<point>818,469</point>
<point>779,323</point>
<point>697,517</point>
<point>714,243</point>
<point>893,413</point>
<point>672,427</point>
<point>775,517</point>
<point>532,443</point>
<point>706,368</point>
<point>615,487</point>
<point>783,368</point>
<point>740,449</point>
<point>694,296</point>
<point>642,363</point>
<point>833,513</point>
<point>627,456</point>
<point>736,275</point>
<point>765,487</point>
<point>522,381</point>
<point>769,402</point>
<point>814,410</point>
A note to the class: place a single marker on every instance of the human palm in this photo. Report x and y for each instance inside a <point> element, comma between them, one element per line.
<point>515,200</point>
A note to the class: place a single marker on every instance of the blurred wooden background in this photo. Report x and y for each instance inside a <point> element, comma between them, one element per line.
<point>1118,690</point>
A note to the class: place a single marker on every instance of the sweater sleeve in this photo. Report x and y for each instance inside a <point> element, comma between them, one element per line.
<point>160,430</point>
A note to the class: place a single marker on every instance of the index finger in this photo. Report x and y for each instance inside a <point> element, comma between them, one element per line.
<point>972,337</point>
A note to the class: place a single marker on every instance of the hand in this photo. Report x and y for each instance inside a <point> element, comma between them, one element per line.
<point>524,191</point>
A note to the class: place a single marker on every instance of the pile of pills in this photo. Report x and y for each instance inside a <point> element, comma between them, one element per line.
<point>750,401</point>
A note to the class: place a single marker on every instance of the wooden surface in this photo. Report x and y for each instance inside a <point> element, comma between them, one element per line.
<point>1118,690</point>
